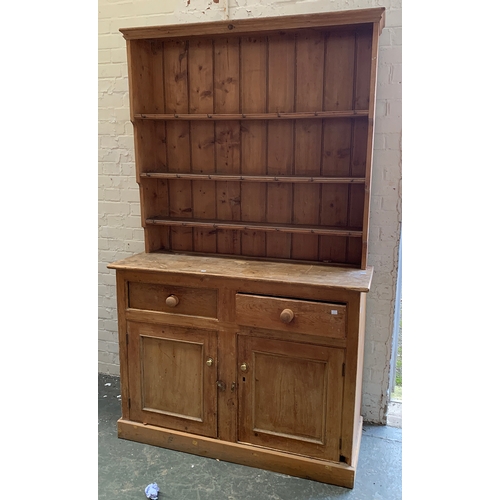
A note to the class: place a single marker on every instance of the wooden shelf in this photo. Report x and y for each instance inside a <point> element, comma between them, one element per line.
<point>238,27</point>
<point>224,266</point>
<point>355,113</point>
<point>257,226</point>
<point>254,178</point>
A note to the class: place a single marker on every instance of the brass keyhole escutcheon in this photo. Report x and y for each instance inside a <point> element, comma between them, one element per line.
<point>244,367</point>
<point>210,362</point>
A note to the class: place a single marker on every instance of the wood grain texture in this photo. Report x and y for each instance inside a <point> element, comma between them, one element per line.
<point>354,345</point>
<point>280,152</point>
<point>226,370</point>
<point>310,318</point>
<point>155,203</point>
<point>171,384</point>
<point>361,100</point>
<point>176,90</point>
<point>335,198</point>
<point>183,362</point>
<point>359,370</point>
<point>121,302</point>
<point>271,179</point>
<point>303,229</point>
<point>310,338</point>
<point>327,472</point>
<point>269,24</point>
<point>253,70</point>
<point>357,443</point>
<point>227,139</point>
<point>377,28</point>
<point>170,318</point>
<point>337,137</point>
<point>308,96</point>
<point>192,301</point>
<point>245,117</point>
<point>286,396</point>
<point>201,100</point>
<point>146,93</point>
<point>243,269</point>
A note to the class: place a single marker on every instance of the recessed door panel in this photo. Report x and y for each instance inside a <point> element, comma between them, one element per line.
<point>285,391</point>
<point>173,377</point>
<point>290,396</point>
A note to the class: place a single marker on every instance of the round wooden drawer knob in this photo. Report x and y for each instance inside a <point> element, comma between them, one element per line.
<point>172,301</point>
<point>286,315</point>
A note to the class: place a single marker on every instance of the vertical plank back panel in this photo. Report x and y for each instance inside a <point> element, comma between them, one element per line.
<point>150,147</point>
<point>369,142</point>
<point>280,140</point>
<point>201,100</point>
<point>338,95</point>
<point>363,69</point>
<point>146,79</point>
<point>178,139</point>
<point>308,97</point>
<point>253,90</point>
<point>227,139</point>
<point>154,192</point>
<point>358,161</point>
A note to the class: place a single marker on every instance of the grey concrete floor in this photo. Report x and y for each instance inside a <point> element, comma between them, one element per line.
<point>395,414</point>
<point>126,467</point>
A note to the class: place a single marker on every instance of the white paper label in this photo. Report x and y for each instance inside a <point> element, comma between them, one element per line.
<point>334,311</point>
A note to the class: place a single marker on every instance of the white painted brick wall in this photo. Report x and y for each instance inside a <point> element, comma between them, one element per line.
<point>120,233</point>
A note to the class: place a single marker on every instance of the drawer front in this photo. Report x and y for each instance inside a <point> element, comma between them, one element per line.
<point>299,316</point>
<point>181,300</point>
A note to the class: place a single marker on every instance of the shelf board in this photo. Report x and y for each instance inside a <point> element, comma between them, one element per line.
<point>252,26</point>
<point>254,178</point>
<point>257,226</point>
<point>355,113</point>
<point>237,267</point>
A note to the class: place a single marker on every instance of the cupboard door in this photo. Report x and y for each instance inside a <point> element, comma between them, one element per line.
<point>172,377</point>
<point>290,396</point>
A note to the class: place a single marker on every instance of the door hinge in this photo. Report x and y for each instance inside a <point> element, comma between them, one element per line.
<point>129,403</point>
<point>340,443</point>
<point>343,369</point>
<point>126,338</point>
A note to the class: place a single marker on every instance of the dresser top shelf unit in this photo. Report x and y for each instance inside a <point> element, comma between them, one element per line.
<point>254,137</point>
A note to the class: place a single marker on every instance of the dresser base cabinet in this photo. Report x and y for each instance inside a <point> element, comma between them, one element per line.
<point>257,363</point>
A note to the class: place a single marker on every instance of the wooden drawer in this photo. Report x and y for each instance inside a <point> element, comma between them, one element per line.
<point>299,316</point>
<point>183,300</point>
